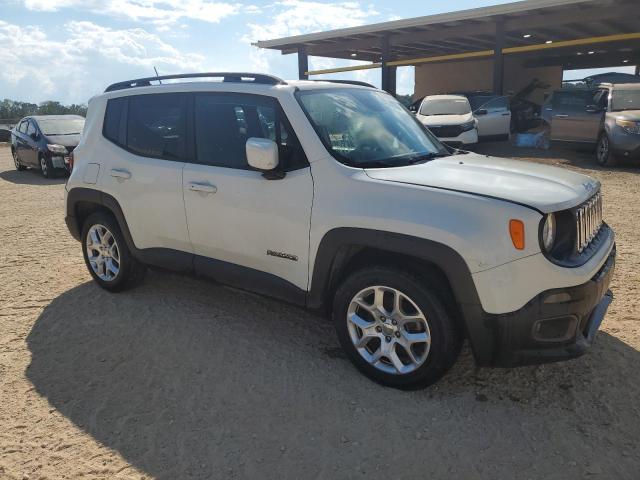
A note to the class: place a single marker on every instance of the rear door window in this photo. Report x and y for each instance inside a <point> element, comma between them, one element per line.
<point>571,101</point>
<point>156,126</point>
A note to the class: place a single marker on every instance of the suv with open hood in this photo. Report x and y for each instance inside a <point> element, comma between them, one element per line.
<point>334,197</point>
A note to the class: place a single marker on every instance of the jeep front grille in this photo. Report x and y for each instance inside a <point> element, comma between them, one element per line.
<point>588,221</point>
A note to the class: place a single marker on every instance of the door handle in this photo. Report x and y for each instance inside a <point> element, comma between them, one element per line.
<point>202,187</point>
<point>562,115</point>
<point>120,173</point>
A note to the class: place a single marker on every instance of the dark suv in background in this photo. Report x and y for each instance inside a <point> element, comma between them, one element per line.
<point>46,142</point>
<point>606,116</point>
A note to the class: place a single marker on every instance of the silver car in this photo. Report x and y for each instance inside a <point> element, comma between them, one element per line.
<point>607,116</point>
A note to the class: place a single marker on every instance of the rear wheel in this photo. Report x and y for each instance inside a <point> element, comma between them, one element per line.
<point>394,329</point>
<point>16,161</point>
<point>107,256</point>
<point>604,155</point>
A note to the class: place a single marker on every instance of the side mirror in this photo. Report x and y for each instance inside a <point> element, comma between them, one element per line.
<point>482,111</point>
<point>262,154</point>
<point>34,136</point>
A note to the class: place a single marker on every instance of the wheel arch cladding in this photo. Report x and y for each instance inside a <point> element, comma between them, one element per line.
<point>82,202</point>
<point>339,247</point>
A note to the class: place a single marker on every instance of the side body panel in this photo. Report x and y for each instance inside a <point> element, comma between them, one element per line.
<point>250,221</point>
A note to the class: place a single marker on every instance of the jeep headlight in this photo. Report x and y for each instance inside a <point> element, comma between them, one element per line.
<point>57,149</point>
<point>549,232</point>
<point>629,126</point>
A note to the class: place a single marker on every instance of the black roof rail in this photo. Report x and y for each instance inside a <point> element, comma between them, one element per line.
<point>225,76</point>
<point>346,82</point>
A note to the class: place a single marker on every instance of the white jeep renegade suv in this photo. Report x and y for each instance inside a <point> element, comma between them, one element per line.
<point>334,196</point>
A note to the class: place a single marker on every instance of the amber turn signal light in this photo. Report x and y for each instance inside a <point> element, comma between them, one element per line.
<point>516,230</point>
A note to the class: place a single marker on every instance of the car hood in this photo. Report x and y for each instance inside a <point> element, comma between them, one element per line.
<point>64,140</point>
<point>433,120</point>
<point>547,189</point>
<point>633,115</point>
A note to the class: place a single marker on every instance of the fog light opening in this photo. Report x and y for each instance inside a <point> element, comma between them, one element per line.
<point>558,329</point>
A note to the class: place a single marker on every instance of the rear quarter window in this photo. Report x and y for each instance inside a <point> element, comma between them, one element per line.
<point>115,121</point>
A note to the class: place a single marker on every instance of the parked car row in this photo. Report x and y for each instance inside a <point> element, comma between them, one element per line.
<point>46,142</point>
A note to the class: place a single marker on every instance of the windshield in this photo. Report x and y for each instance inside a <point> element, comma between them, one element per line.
<point>61,126</point>
<point>445,106</point>
<point>625,100</point>
<point>368,128</point>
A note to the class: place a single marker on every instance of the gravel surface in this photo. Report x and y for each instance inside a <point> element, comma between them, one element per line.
<point>183,378</point>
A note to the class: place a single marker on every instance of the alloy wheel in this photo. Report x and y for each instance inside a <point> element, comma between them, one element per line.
<point>103,252</point>
<point>388,330</point>
<point>16,162</point>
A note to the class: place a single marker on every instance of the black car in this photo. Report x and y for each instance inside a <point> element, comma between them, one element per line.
<point>46,142</point>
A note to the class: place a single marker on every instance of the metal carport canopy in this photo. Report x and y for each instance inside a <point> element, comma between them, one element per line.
<point>570,33</point>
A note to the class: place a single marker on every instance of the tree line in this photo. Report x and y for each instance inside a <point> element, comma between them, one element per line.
<point>14,110</point>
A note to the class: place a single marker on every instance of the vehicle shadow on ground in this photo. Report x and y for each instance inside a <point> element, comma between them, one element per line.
<point>30,177</point>
<point>186,378</point>
<point>580,158</point>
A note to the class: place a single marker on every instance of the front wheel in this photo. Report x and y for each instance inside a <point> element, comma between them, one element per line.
<point>394,328</point>
<point>107,256</point>
<point>45,168</point>
<point>604,155</point>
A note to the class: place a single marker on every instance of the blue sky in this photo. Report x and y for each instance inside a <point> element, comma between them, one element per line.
<point>69,50</point>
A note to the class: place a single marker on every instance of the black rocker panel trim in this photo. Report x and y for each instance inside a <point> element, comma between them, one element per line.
<point>246,278</point>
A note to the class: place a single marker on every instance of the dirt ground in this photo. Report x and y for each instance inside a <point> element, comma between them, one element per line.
<point>183,378</point>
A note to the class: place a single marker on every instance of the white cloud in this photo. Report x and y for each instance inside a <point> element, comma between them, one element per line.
<point>135,46</point>
<point>83,62</point>
<point>296,17</point>
<point>161,12</point>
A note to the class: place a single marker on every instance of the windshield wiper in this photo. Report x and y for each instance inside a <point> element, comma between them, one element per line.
<point>426,157</point>
<point>401,162</point>
<point>375,164</point>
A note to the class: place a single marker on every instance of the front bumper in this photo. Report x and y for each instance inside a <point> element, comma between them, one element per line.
<point>556,325</point>
<point>626,146</point>
<point>470,137</point>
<point>59,161</point>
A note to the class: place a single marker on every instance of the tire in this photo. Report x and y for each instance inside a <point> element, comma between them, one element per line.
<point>45,167</point>
<point>16,161</point>
<point>429,360</point>
<point>604,155</point>
<point>114,269</point>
